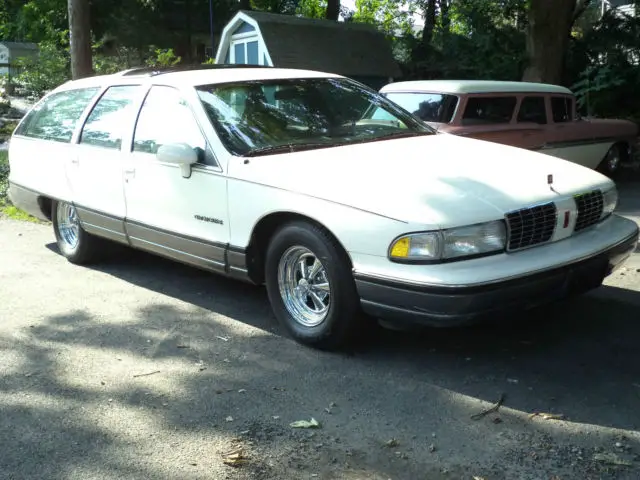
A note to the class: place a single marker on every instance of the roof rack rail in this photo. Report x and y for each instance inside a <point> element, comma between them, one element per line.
<point>153,71</point>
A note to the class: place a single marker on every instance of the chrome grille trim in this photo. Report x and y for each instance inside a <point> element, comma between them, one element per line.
<point>590,206</point>
<point>531,226</point>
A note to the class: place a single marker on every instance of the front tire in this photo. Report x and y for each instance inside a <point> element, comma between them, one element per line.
<point>74,243</point>
<point>610,164</point>
<point>311,287</point>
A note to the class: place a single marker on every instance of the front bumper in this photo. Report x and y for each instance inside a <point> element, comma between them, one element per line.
<point>459,305</point>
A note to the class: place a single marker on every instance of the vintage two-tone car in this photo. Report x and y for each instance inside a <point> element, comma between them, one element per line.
<point>535,116</point>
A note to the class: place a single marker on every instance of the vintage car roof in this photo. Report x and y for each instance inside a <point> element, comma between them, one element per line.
<point>473,86</point>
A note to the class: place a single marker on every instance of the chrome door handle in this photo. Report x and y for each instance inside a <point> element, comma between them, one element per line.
<point>75,161</point>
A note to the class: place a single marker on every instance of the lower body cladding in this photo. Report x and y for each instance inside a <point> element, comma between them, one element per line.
<point>444,306</point>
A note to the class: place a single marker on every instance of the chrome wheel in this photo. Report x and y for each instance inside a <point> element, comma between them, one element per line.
<point>304,286</point>
<point>68,225</point>
<point>612,160</point>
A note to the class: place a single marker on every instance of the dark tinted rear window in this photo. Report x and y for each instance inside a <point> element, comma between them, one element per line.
<point>533,110</point>
<point>488,110</point>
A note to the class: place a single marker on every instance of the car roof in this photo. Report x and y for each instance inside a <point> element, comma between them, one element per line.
<point>194,76</point>
<point>473,86</point>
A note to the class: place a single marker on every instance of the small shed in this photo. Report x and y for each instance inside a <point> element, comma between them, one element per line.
<point>11,51</point>
<point>355,50</point>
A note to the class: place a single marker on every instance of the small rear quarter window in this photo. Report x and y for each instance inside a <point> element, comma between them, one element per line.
<point>56,117</point>
<point>488,110</point>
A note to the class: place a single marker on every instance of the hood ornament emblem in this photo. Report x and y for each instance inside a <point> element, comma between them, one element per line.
<point>550,182</point>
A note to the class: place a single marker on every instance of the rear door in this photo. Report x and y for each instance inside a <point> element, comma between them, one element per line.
<point>95,170</point>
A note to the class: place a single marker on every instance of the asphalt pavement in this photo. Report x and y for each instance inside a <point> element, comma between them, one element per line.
<point>140,368</point>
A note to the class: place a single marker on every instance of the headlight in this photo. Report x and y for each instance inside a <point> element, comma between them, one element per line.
<point>610,199</point>
<point>454,243</point>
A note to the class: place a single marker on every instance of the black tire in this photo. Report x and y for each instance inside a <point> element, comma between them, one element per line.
<point>605,167</point>
<point>343,317</point>
<point>87,248</point>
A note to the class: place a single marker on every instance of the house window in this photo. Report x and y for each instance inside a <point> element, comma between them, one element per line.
<point>245,51</point>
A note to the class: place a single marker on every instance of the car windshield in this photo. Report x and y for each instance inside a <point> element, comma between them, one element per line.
<point>430,107</point>
<point>269,116</point>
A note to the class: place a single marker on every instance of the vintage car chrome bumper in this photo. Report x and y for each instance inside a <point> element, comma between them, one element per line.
<point>451,306</point>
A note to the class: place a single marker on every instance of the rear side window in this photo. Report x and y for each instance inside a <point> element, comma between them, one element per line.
<point>110,117</point>
<point>562,109</point>
<point>488,110</point>
<point>533,110</point>
<point>56,117</point>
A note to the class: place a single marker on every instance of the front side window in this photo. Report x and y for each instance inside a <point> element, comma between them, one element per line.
<point>533,110</point>
<point>166,118</point>
<point>258,117</point>
<point>562,109</point>
<point>429,107</point>
<point>110,117</point>
<point>488,110</point>
<point>57,116</point>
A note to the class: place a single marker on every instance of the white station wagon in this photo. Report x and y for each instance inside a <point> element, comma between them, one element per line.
<point>281,177</point>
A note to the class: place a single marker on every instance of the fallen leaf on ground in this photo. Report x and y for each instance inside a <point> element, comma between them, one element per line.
<point>392,443</point>
<point>313,423</point>
<point>229,418</point>
<point>234,458</point>
<point>612,459</point>
<point>224,339</point>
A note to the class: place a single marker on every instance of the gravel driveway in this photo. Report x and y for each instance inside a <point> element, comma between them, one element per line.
<point>142,368</point>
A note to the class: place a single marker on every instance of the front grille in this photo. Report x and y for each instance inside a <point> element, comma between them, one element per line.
<point>531,226</point>
<point>590,206</point>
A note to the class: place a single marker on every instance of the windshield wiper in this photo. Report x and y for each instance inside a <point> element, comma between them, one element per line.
<point>286,148</point>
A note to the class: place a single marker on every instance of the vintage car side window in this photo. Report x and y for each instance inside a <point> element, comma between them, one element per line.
<point>533,110</point>
<point>56,118</point>
<point>166,118</point>
<point>430,107</point>
<point>488,110</point>
<point>108,120</point>
<point>562,108</point>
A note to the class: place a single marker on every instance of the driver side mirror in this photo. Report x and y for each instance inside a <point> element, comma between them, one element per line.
<point>179,154</point>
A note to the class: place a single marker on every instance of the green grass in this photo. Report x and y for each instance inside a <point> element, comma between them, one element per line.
<point>6,209</point>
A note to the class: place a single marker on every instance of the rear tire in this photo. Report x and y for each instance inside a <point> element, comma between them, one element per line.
<point>74,243</point>
<point>311,287</point>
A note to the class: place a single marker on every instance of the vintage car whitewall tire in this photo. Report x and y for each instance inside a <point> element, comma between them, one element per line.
<point>311,287</point>
<point>77,246</point>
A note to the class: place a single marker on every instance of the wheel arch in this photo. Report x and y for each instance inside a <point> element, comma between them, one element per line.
<point>264,230</point>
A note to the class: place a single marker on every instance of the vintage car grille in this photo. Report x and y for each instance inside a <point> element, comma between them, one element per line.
<point>531,226</point>
<point>590,206</point>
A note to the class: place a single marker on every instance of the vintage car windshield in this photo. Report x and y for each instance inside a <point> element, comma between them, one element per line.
<point>429,107</point>
<point>270,116</point>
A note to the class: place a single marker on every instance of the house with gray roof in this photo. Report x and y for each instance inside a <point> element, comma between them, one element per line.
<point>355,50</point>
<point>11,51</point>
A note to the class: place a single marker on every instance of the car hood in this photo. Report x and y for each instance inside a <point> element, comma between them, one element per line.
<point>439,180</point>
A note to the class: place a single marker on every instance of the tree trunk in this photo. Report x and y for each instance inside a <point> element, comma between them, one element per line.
<point>548,35</point>
<point>80,39</point>
<point>429,22</point>
<point>333,10</point>
<point>445,19</point>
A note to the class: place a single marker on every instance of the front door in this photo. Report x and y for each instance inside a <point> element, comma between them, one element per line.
<point>181,218</point>
<point>95,168</point>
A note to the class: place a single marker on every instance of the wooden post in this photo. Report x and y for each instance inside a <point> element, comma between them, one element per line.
<point>80,39</point>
